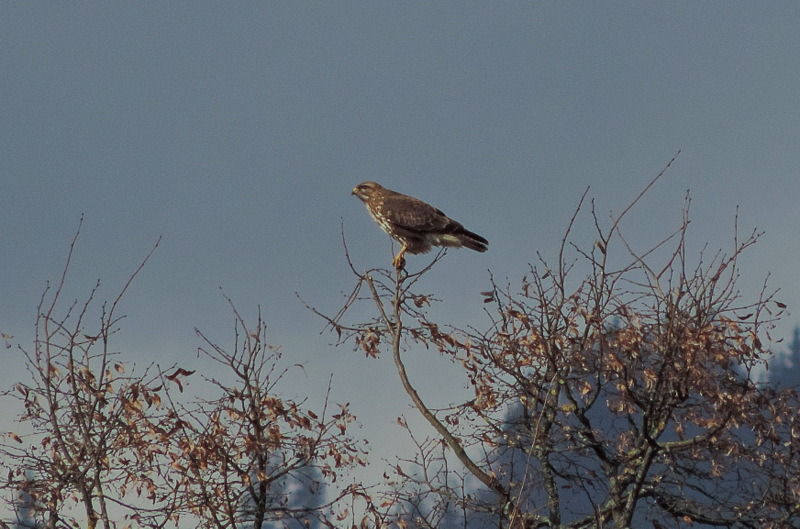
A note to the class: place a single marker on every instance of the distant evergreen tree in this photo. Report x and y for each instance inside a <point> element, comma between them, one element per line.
<point>304,490</point>
<point>23,505</point>
<point>290,500</point>
<point>784,370</point>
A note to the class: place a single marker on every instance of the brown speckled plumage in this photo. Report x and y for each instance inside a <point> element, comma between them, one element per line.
<point>415,224</point>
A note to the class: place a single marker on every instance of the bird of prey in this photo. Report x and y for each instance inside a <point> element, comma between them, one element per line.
<point>415,224</point>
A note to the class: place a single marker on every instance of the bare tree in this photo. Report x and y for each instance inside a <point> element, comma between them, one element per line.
<point>101,447</point>
<point>623,398</point>
<point>251,458</point>
<point>94,440</point>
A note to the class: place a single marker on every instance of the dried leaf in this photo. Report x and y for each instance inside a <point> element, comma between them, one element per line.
<point>179,372</point>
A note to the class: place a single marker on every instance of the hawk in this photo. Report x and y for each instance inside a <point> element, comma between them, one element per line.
<point>415,224</point>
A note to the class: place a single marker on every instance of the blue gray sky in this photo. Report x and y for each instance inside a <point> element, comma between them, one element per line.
<point>237,131</point>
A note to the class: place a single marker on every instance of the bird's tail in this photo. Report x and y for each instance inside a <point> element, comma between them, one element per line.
<point>473,241</point>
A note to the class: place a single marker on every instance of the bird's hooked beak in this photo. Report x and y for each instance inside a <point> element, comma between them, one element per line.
<point>364,190</point>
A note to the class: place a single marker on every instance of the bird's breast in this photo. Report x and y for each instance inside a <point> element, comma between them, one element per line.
<point>377,215</point>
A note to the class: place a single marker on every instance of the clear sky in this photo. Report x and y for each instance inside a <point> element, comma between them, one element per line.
<point>237,131</point>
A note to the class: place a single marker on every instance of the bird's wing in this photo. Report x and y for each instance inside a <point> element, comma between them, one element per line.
<point>414,214</point>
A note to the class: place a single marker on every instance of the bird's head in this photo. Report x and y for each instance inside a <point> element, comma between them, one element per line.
<point>365,189</point>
